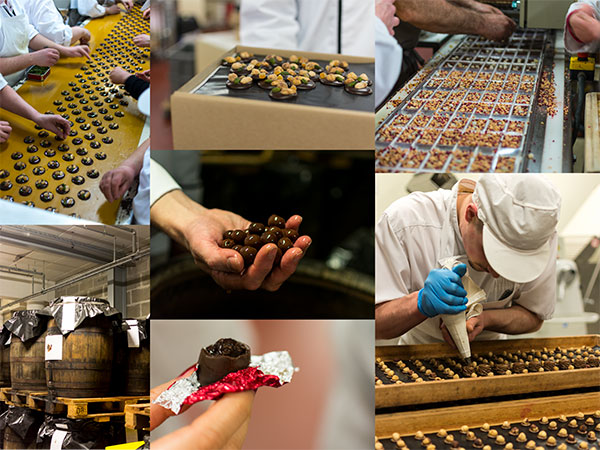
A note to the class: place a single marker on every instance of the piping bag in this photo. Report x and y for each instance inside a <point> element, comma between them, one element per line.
<point>457,323</point>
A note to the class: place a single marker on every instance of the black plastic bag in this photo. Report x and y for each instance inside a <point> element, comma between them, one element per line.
<point>27,325</point>
<point>80,433</point>
<point>22,421</point>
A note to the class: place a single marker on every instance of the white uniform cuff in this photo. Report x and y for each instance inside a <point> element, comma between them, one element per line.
<point>162,182</point>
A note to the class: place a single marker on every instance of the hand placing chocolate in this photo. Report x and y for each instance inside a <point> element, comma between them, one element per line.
<point>223,357</point>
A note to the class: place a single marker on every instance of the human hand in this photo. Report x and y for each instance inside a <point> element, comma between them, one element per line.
<point>475,325</point>
<point>81,34</point>
<point>223,425</point>
<point>5,130</point>
<point>119,75</point>
<point>386,11</point>
<point>226,266</point>
<point>443,292</point>
<point>146,14</point>
<point>76,51</point>
<point>114,9</point>
<point>51,122</point>
<point>497,27</point>
<point>128,4</point>
<point>145,75</point>
<point>584,25</point>
<point>115,183</point>
<point>45,57</point>
<point>142,40</point>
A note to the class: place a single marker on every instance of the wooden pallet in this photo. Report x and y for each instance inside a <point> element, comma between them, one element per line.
<point>100,409</point>
<point>137,417</point>
<point>592,132</point>
<point>16,397</point>
<point>471,388</point>
<point>452,418</point>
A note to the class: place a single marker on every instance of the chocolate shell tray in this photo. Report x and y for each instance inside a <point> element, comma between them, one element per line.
<point>226,89</point>
<point>38,169</point>
<point>420,374</point>
<point>561,422</point>
<point>469,113</point>
<point>322,95</point>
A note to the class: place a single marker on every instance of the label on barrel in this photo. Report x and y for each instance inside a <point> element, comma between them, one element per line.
<point>133,334</point>
<point>68,314</point>
<point>57,439</point>
<point>54,347</point>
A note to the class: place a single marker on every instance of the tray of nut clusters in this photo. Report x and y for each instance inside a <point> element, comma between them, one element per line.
<point>470,112</point>
<point>430,373</point>
<point>558,422</point>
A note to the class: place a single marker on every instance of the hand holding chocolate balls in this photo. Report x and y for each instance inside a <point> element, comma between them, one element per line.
<point>249,241</point>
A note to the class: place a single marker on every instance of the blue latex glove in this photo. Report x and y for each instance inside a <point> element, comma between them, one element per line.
<point>443,292</point>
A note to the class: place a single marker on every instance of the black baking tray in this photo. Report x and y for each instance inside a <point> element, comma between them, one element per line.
<point>322,96</point>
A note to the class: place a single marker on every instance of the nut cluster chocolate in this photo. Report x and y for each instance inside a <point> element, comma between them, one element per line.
<point>249,241</point>
<point>283,78</point>
<point>223,357</point>
<point>486,365</point>
<point>562,432</point>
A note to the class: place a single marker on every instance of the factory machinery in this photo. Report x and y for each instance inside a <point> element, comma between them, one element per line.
<point>483,106</point>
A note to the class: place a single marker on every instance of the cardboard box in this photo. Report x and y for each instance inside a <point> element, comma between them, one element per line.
<point>213,122</point>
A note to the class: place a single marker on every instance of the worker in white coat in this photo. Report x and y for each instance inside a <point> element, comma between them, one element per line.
<point>47,19</point>
<point>17,36</point>
<point>11,101</point>
<point>81,10</point>
<point>349,27</point>
<point>582,27</point>
<point>501,231</point>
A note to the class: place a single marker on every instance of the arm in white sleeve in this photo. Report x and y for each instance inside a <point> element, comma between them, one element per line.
<point>3,82</point>
<point>90,8</point>
<point>572,44</point>
<point>388,61</point>
<point>161,182</point>
<point>47,20</point>
<point>539,296</point>
<point>392,268</point>
<point>269,23</point>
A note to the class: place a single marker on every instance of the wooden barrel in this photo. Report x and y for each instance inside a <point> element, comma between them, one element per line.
<point>27,369</point>
<point>85,368</point>
<point>4,365</point>
<point>138,370</point>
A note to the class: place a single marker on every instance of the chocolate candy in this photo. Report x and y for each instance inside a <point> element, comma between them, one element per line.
<point>46,196</point>
<point>62,189</point>
<point>41,184</point>
<point>256,228</point>
<point>248,253</point>
<point>220,359</point>
<point>39,170</point>
<point>68,202</point>
<point>290,233</point>
<point>4,173</point>
<point>248,242</point>
<point>5,185</point>
<point>84,194</point>
<point>22,179</point>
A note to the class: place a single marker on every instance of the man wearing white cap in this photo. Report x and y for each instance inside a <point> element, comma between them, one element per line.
<point>500,230</point>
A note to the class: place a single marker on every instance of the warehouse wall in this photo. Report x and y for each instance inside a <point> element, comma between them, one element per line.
<point>138,289</point>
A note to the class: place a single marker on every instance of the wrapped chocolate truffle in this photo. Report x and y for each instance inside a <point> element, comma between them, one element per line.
<point>222,358</point>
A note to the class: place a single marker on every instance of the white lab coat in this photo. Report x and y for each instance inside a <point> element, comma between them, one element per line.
<point>15,34</point>
<point>89,8</point>
<point>141,202</point>
<point>312,25</point>
<point>572,45</point>
<point>46,19</point>
<point>419,233</point>
<point>3,82</point>
<point>162,181</point>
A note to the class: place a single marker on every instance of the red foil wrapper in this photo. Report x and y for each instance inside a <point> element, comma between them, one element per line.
<point>247,379</point>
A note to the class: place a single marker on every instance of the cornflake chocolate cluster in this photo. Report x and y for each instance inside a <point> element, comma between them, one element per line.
<point>485,365</point>
<point>563,432</point>
<point>249,241</point>
<point>283,78</point>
